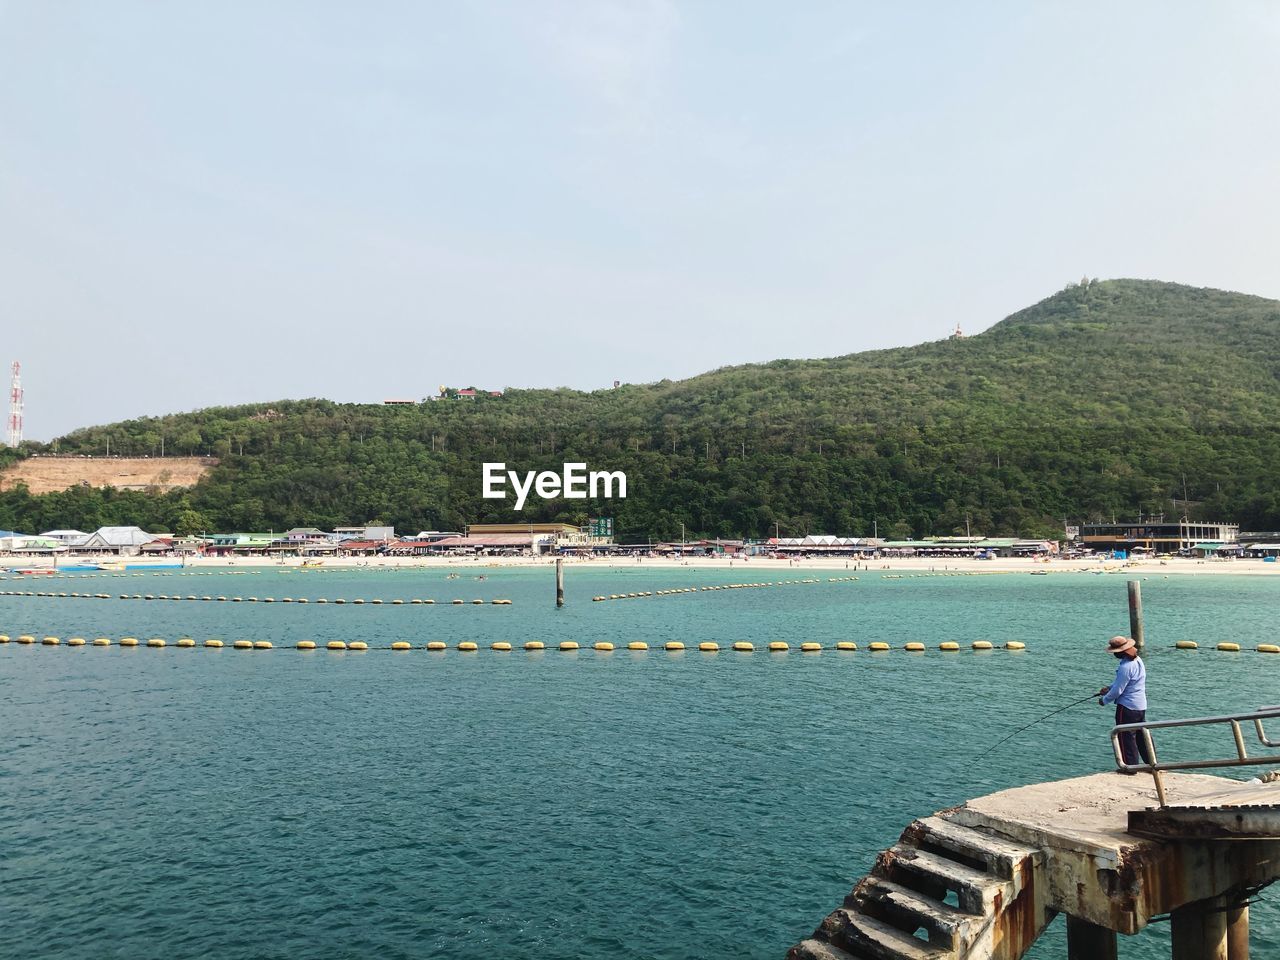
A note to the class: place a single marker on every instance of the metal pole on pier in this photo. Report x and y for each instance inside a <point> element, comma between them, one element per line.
<point>559,581</point>
<point>1135,613</point>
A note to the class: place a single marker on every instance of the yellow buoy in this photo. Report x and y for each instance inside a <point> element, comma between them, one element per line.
<point>51,641</point>
<point>468,646</point>
<point>810,647</point>
<point>878,646</point>
<point>128,641</point>
<point>26,638</point>
<point>846,645</point>
<point>155,642</point>
<point>437,646</point>
<point>357,601</point>
<point>501,646</point>
<point>402,645</point>
<point>637,645</point>
<point>306,644</point>
<point>336,645</point>
<point>185,642</point>
<point>102,642</point>
<point>742,646</point>
<point>262,644</point>
<point>1015,645</point>
<point>949,646</point>
<point>357,645</point>
<point>76,642</point>
<point>458,603</point>
<point>568,645</point>
<point>1229,647</point>
<point>673,645</point>
<point>477,601</point>
<point>604,646</point>
<point>981,645</point>
<point>709,647</point>
<point>1186,645</point>
<point>914,646</point>
<point>215,644</point>
<point>1268,648</point>
<point>241,645</point>
<point>779,646</point>
<point>394,603</point>
<point>535,645</point>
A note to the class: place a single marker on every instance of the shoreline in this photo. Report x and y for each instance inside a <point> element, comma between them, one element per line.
<point>1181,566</point>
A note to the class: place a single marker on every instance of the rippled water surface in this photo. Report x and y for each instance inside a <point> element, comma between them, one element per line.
<point>166,803</point>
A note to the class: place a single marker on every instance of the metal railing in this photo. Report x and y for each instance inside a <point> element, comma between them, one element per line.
<point>1234,721</point>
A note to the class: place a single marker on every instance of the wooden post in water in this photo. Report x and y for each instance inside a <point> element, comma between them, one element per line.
<point>1135,613</point>
<point>559,581</point>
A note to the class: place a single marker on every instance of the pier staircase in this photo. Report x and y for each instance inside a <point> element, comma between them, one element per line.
<point>943,892</point>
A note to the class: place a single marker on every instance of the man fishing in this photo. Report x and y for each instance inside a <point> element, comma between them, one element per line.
<point>1129,693</point>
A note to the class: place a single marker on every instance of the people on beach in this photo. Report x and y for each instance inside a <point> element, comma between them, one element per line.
<point>1129,693</point>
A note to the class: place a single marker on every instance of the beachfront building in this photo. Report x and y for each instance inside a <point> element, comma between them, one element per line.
<point>68,537</point>
<point>818,545</point>
<point>19,544</point>
<point>981,547</point>
<point>1154,535</point>
<point>121,541</point>
<point>244,544</point>
<point>382,534</point>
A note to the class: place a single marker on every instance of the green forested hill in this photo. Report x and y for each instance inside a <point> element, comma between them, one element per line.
<point>1110,397</point>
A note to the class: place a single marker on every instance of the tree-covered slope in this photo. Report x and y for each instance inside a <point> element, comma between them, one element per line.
<point>1108,398</point>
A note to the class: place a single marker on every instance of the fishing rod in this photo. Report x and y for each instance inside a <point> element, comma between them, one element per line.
<point>1092,696</point>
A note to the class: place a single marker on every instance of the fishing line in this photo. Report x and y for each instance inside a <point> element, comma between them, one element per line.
<point>1092,696</point>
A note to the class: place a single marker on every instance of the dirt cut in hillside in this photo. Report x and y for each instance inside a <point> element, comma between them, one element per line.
<point>50,474</point>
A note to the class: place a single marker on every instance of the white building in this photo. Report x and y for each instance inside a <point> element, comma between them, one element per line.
<point>123,541</point>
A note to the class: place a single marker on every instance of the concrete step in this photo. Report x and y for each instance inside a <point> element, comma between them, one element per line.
<point>910,866</point>
<point>1002,857</point>
<point>819,950</point>
<point>867,936</point>
<point>881,897</point>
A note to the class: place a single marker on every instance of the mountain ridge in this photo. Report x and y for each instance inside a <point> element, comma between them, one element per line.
<point>1116,396</point>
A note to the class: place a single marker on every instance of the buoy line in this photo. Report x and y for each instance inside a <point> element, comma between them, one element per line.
<point>673,591</point>
<point>566,646</point>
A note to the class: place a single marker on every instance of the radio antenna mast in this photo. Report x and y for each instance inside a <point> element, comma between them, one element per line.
<point>15,406</point>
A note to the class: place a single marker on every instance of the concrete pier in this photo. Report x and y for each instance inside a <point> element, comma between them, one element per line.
<point>982,881</point>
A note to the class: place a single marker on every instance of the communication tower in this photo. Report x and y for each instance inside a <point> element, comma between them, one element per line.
<point>15,406</point>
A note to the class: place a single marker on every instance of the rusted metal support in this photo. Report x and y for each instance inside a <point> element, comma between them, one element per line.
<point>1135,613</point>
<point>1088,941</point>
<point>1238,933</point>
<point>1199,930</point>
<point>559,581</point>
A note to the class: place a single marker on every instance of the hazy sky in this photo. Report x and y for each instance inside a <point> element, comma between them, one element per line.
<point>206,203</point>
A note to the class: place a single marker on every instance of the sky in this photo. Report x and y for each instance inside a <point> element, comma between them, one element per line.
<point>216,203</point>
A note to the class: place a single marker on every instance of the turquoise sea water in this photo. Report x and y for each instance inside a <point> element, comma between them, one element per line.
<point>168,803</point>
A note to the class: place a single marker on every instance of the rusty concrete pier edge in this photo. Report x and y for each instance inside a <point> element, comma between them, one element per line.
<point>982,881</point>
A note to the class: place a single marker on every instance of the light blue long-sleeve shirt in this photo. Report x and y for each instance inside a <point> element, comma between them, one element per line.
<point>1129,689</point>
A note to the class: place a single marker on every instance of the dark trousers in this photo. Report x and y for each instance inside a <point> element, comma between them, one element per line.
<point>1132,744</point>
